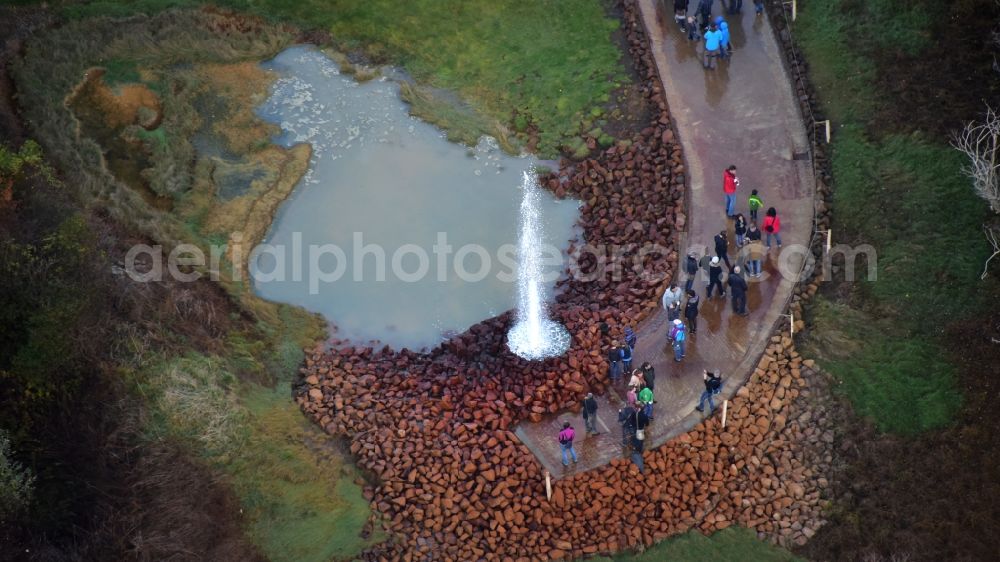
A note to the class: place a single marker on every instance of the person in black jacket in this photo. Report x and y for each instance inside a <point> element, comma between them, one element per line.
<point>713,386</point>
<point>639,445</point>
<point>641,419</point>
<point>722,247</point>
<point>590,413</point>
<point>649,376</point>
<point>738,287</point>
<point>627,417</point>
<point>740,228</point>
<point>705,11</point>
<point>691,269</point>
<point>691,311</point>
<point>715,278</point>
<point>615,364</point>
<point>680,13</point>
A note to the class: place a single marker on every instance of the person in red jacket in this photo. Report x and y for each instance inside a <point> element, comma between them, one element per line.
<point>772,227</point>
<point>729,184</point>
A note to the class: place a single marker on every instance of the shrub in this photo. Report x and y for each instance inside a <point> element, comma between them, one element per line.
<point>16,481</point>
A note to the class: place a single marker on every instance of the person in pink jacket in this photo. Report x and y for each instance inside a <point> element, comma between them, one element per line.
<point>566,437</point>
<point>772,227</point>
<point>632,396</point>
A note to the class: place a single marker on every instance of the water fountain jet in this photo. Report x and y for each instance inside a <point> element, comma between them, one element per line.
<point>535,335</point>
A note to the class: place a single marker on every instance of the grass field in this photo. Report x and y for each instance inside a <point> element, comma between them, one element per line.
<point>305,504</point>
<point>734,543</point>
<point>901,191</point>
<point>298,495</point>
<point>543,68</point>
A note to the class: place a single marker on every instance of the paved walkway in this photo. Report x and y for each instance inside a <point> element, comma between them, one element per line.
<point>741,113</point>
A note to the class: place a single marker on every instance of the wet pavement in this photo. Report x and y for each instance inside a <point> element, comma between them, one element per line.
<point>742,113</point>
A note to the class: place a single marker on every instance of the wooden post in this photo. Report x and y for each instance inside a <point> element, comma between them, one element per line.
<point>725,410</point>
<point>548,486</point>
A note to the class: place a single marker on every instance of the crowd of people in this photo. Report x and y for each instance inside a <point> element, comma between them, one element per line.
<point>754,236</point>
<point>682,309</point>
<point>714,32</point>
<point>751,244</point>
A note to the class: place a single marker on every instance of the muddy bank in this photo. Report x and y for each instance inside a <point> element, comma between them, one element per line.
<point>237,179</point>
<point>106,116</point>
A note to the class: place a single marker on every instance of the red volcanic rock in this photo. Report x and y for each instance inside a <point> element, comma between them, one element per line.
<point>558,500</point>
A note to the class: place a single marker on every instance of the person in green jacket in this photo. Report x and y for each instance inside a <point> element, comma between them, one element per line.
<point>645,399</point>
<point>755,204</point>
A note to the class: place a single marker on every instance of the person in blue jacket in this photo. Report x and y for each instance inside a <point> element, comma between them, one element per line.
<point>713,38</point>
<point>626,353</point>
<point>725,47</point>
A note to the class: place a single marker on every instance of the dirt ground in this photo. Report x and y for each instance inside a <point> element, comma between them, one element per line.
<point>936,497</point>
<point>116,109</point>
<point>104,113</point>
<point>628,108</point>
<point>946,85</point>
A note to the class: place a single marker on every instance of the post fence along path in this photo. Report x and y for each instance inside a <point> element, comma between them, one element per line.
<point>743,113</point>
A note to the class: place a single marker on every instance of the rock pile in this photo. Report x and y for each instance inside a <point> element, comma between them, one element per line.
<point>454,482</point>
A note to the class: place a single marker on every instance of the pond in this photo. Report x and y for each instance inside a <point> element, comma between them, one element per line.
<point>394,234</point>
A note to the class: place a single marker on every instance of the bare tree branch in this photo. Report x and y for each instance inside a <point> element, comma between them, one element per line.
<point>993,236</point>
<point>981,143</point>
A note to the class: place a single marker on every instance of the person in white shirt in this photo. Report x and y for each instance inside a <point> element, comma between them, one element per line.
<point>672,295</point>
